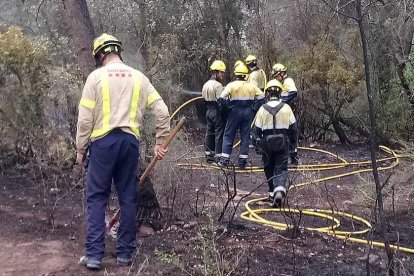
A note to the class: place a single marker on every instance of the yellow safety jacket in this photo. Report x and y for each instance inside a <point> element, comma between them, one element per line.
<point>288,86</point>
<point>212,90</point>
<point>116,96</point>
<point>284,118</point>
<point>258,78</point>
<point>240,90</point>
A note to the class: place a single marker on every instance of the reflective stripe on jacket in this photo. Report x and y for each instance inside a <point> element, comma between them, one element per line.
<point>288,86</point>
<point>116,96</point>
<point>284,118</point>
<point>240,90</point>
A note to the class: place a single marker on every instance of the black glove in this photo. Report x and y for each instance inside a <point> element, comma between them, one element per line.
<point>294,159</point>
<point>257,104</point>
<point>221,102</point>
<point>259,146</point>
<point>224,106</point>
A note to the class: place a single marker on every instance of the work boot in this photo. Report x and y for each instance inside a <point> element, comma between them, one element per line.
<point>123,261</point>
<point>270,197</point>
<point>224,162</point>
<point>217,159</point>
<point>90,263</point>
<point>277,200</point>
<point>210,159</point>
<point>242,163</point>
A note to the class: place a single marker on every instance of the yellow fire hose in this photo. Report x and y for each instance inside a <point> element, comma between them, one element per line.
<point>184,104</point>
<point>253,215</point>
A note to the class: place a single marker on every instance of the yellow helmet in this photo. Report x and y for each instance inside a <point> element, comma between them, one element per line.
<point>103,42</point>
<point>271,85</point>
<point>277,68</point>
<point>250,59</point>
<point>218,65</point>
<point>238,62</point>
<point>241,70</point>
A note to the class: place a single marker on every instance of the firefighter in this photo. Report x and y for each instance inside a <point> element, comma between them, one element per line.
<point>289,95</point>
<point>110,114</point>
<point>257,76</point>
<point>290,92</point>
<point>274,129</point>
<point>215,119</point>
<point>242,99</point>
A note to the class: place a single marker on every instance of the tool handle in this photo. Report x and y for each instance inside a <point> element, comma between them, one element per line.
<point>165,145</point>
<point>147,171</point>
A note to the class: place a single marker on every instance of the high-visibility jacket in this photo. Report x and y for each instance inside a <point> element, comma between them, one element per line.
<point>258,77</point>
<point>240,91</point>
<point>290,91</point>
<point>212,90</point>
<point>116,96</point>
<point>285,122</point>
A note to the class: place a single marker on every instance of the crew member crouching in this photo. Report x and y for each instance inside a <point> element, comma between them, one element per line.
<point>274,125</point>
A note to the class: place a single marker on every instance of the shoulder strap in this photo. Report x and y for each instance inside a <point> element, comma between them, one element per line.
<point>273,111</point>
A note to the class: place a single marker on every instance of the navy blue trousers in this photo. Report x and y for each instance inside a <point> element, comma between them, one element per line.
<point>113,157</point>
<point>240,118</point>
<point>214,133</point>
<point>276,168</point>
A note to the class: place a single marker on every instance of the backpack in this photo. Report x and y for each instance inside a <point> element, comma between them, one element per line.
<point>275,142</point>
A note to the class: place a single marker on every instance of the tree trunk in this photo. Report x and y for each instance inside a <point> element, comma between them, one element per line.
<point>402,52</point>
<point>371,106</point>
<point>330,112</point>
<point>81,32</point>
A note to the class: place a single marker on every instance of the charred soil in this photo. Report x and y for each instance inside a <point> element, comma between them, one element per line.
<point>38,241</point>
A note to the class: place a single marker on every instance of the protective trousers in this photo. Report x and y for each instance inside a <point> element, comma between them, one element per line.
<point>276,169</point>
<point>113,157</point>
<point>214,133</point>
<point>240,117</point>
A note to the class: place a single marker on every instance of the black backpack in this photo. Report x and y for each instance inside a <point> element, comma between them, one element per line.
<point>275,142</point>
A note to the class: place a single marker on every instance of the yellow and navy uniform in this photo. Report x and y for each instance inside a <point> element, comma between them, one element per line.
<point>115,97</point>
<point>258,77</point>
<point>242,97</point>
<point>215,120</point>
<point>290,91</point>
<point>240,91</point>
<point>276,163</point>
<point>284,119</point>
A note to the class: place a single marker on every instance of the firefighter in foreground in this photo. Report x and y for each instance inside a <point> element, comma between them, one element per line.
<point>215,119</point>
<point>274,128</point>
<point>241,99</point>
<point>289,95</point>
<point>113,101</point>
<point>257,76</point>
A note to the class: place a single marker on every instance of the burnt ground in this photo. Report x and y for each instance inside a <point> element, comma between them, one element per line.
<point>194,243</point>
